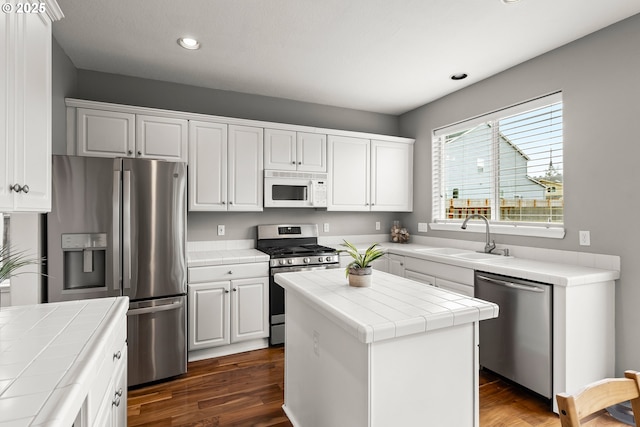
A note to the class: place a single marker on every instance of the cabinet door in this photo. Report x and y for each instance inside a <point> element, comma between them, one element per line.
<point>311,153</point>
<point>249,309</point>
<point>381,264</point>
<point>161,138</point>
<point>208,315</point>
<point>348,166</point>
<point>119,396</point>
<point>245,168</point>
<point>105,133</point>
<point>7,52</point>
<point>32,113</point>
<point>396,265</point>
<point>279,149</point>
<point>391,176</point>
<point>207,169</point>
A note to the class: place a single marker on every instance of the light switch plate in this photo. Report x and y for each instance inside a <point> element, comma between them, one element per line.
<point>423,227</point>
<point>326,227</point>
<point>221,230</point>
<point>377,225</point>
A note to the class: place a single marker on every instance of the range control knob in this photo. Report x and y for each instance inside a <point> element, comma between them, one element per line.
<point>328,259</point>
<point>320,259</point>
<point>306,260</point>
<point>289,261</point>
<point>281,262</point>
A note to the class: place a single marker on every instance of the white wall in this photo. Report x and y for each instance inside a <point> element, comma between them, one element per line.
<point>599,79</point>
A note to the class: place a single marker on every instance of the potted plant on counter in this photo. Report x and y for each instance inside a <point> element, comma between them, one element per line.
<point>11,261</point>
<point>359,270</point>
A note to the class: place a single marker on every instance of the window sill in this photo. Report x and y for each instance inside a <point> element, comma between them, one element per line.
<point>513,230</point>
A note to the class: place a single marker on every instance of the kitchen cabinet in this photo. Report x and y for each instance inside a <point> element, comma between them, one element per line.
<point>295,151</point>
<point>228,304</point>
<point>25,109</point>
<point>366,175</point>
<point>396,265</point>
<point>105,133</point>
<point>391,176</point>
<point>113,408</point>
<point>225,167</point>
<point>445,276</point>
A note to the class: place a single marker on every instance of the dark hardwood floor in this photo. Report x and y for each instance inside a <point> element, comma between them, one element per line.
<point>247,390</point>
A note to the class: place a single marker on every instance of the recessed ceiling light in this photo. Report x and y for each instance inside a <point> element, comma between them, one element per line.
<point>189,43</point>
<point>459,76</point>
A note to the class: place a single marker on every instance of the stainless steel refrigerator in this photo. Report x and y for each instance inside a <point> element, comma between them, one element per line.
<point>118,227</point>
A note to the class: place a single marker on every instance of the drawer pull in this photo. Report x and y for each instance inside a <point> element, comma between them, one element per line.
<point>116,402</point>
<point>117,355</point>
<point>230,272</point>
<point>119,393</point>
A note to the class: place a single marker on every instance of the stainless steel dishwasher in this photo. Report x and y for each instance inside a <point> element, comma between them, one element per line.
<point>518,343</point>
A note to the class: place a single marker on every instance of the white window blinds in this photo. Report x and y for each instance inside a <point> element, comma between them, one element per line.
<point>506,165</point>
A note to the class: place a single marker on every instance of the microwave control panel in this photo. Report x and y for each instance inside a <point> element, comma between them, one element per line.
<point>320,193</point>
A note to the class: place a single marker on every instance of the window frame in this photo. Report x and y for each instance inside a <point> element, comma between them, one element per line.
<point>439,221</point>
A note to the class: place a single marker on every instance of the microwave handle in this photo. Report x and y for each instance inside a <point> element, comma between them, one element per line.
<point>311,194</point>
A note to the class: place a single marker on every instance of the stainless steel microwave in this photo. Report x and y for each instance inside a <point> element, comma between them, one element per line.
<point>283,189</point>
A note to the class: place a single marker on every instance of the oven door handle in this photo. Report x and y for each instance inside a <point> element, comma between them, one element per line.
<point>277,270</point>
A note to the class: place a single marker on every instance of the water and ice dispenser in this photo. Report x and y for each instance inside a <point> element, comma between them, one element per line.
<point>84,260</point>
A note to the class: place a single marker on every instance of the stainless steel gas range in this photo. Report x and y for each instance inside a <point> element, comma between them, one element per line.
<point>291,248</point>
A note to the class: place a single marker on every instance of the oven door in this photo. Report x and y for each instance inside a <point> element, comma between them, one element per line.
<point>276,301</point>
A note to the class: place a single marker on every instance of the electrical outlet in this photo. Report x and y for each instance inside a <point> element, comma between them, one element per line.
<point>423,227</point>
<point>326,227</point>
<point>585,238</point>
<point>316,343</point>
<point>221,230</point>
<point>377,225</point>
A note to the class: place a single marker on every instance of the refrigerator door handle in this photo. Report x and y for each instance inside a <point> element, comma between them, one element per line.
<point>154,309</point>
<point>126,229</point>
<point>115,230</point>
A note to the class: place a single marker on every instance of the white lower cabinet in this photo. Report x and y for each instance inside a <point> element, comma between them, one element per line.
<point>227,312</point>
<point>396,265</point>
<point>445,276</point>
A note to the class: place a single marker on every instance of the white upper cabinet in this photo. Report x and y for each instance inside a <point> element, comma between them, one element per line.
<point>207,166</point>
<point>25,109</point>
<point>245,168</point>
<point>106,133</point>
<point>349,168</point>
<point>225,167</point>
<point>369,175</point>
<point>391,176</point>
<point>161,138</point>
<point>295,151</point>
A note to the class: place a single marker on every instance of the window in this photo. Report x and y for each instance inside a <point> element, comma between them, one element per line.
<point>506,165</point>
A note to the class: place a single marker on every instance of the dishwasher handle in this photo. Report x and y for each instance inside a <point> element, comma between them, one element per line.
<point>519,286</point>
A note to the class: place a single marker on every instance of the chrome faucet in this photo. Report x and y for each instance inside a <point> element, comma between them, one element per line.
<point>490,244</point>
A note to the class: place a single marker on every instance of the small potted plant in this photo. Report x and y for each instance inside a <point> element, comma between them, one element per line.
<point>359,270</point>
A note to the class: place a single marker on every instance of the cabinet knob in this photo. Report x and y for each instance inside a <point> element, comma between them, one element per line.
<point>293,163</point>
<point>117,355</point>
<point>235,289</point>
<point>226,291</point>
<point>230,203</point>
<point>25,189</point>
<point>119,392</point>
<point>16,187</point>
<point>230,272</point>
<point>139,153</point>
<point>116,402</point>
<point>299,163</point>
<point>130,152</point>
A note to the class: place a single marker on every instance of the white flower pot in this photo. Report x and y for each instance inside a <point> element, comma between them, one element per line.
<point>360,277</point>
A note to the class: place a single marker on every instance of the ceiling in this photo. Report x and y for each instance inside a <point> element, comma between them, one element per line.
<point>373,55</point>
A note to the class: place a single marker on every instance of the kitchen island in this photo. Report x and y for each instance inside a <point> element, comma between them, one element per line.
<point>397,353</point>
<point>64,364</point>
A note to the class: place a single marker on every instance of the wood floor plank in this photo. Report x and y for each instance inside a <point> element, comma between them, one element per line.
<point>247,390</point>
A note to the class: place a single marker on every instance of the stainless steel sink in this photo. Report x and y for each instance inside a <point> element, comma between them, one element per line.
<point>444,251</point>
<point>479,256</point>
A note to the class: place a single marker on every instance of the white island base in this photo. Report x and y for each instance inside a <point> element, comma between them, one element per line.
<point>337,373</point>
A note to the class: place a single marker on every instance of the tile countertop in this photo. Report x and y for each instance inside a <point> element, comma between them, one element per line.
<point>47,355</point>
<point>392,307</point>
<point>201,258</point>
<point>555,273</point>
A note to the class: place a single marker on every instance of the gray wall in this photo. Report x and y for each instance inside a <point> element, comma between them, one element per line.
<point>96,86</point>
<point>599,79</point>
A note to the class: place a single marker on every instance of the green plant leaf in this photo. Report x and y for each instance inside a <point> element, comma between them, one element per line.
<point>11,261</point>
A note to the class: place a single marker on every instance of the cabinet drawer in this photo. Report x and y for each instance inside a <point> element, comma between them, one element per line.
<point>420,277</point>
<point>440,270</point>
<point>228,272</point>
